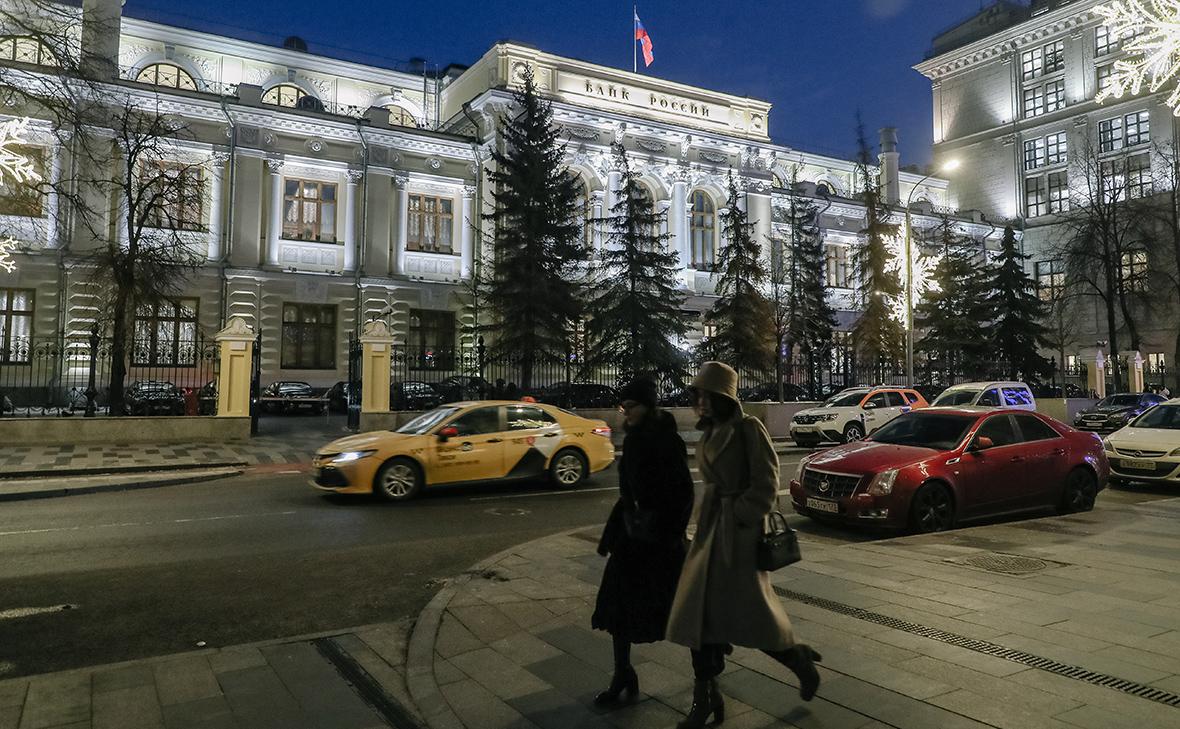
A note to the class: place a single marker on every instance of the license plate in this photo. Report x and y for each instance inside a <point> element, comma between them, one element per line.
<point>805,428</point>
<point>821,505</point>
<point>1139,465</point>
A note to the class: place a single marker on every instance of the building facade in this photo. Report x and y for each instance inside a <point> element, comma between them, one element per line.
<point>329,193</point>
<point>1014,101</point>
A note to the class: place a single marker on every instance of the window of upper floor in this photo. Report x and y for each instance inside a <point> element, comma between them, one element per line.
<point>1046,194</point>
<point>431,224</point>
<point>1133,269</point>
<point>172,195</point>
<point>168,75</point>
<point>1106,42</point>
<point>1042,61</point>
<point>1126,178</point>
<point>1043,98</point>
<point>290,96</point>
<point>399,116</point>
<point>1050,278</point>
<point>838,267</point>
<point>1128,130</point>
<point>309,210</point>
<point>27,49</point>
<point>1046,151</point>
<point>24,198</point>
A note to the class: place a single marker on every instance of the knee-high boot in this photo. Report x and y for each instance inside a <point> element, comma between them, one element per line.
<point>706,702</point>
<point>801,659</point>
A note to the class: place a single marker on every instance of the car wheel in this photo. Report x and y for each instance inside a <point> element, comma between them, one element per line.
<point>854,431</point>
<point>932,509</point>
<point>1079,492</point>
<point>398,480</point>
<point>568,468</point>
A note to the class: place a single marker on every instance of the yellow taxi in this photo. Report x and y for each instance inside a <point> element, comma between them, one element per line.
<point>463,442</point>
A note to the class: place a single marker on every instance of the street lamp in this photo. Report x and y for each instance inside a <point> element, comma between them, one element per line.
<point>949,166</point>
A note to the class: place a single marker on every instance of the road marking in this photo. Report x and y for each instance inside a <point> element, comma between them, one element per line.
<point>119,525</point>
<point>30,611</point>
<point>545,493</point>
<point>281,472</point>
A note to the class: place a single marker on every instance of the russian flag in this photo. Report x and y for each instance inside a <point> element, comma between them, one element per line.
<point>644,40</point>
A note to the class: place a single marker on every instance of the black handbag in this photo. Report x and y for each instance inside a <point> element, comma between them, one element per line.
<point>779,545</point>
<point>640,524</point>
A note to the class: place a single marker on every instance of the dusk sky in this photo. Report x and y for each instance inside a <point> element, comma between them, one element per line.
<point>817,62</point>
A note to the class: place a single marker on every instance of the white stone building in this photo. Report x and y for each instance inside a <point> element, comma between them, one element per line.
<point>1014,102</point>
<point>336,192</point>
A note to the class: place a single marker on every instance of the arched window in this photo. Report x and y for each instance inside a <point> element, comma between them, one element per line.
<point>167,74</point>
<point>777,181</point>
<point>26,49</point>
<point>703,231</point>
<point>399,116</point>
<point>823,189</point>
<point>290,96</point>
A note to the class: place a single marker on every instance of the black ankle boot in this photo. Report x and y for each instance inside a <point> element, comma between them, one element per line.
<point>625,679</point>
<point>801,659</point>
<point>706,701</point>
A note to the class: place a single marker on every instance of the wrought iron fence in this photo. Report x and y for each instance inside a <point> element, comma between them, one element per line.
<point>64,376</point>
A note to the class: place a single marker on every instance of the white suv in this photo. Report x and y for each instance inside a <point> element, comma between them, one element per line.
<point>987,395</point>
<point>852,414</point>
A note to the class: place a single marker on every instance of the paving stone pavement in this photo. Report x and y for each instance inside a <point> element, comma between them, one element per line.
<point>905,626</point>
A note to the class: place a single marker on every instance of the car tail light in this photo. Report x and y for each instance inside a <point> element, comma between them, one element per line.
<point>604,432</point>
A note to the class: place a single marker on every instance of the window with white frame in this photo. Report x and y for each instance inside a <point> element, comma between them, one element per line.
<point>1031,65</point>
<point>1106,42</point>
<point>1133,269</point>
<point>290,96</point>
<point>309,210</point>
<point>431,224</point>
<point>1034,101</point>
<point>1050,276</point>
<point>27,49</point>
<point>839,273</point>
<point>173,195</point>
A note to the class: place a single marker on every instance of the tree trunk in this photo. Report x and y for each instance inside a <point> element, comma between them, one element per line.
<point>118,354</point>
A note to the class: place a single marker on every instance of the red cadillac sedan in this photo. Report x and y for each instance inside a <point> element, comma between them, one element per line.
<point>930,469</point>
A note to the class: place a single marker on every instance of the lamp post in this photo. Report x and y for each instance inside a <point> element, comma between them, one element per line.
<point>948,166</point>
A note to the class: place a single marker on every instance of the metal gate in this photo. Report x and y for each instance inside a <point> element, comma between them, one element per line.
<point>255,383</point>
<point>354,382</point>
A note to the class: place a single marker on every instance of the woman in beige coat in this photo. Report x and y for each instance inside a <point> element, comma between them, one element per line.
<point>723,598</point>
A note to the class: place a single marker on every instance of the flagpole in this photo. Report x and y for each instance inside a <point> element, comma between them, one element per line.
<point>634,27</point>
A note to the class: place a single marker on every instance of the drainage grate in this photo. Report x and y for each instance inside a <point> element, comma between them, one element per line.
<point>992,649</point>
<point>1009,564</point>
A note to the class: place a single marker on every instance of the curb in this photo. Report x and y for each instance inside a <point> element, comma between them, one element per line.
<point>116,470</point>
<point>423,687</point>
<point>175,480</point>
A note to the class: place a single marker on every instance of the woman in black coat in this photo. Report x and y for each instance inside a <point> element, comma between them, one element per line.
<point>644,536</point>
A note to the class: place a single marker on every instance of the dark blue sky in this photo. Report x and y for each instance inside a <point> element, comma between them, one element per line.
<point>817,61</point>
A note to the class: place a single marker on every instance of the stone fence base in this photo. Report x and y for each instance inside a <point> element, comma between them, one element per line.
<point>130,429</point>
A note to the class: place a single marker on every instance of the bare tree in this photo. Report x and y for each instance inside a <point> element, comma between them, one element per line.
<point>1106,219</point>
<point>134,186</point>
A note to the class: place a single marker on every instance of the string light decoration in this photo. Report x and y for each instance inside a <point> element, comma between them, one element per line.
<point>20,168</point>
<point>1151,33</point>
<point>924,282</point>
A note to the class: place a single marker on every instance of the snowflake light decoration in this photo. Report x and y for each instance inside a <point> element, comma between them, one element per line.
<point>1152,32</point>
<point>7,263</point>
<point>923,268</point>
<point>12,163</point>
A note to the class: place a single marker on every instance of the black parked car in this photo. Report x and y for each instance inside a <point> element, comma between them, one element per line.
<point>411,395</point>
<point>207,399</point>
<point>458,388</point>
<point>1113,412</point>
<point>153,398</point>
<point>337,396</point>
<point>288,396</point>
<point>579,395</point>
<point>768,392</point>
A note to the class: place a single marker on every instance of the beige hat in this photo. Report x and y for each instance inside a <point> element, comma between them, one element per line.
<point>717,377</point>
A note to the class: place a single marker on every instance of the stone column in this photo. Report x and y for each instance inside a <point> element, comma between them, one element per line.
<point>350,244</point>
<point>398,264</point>
<point>275,232</point>
<point>467,233</point>
<point>1096,376</point>
<point>216,202</point>
<point>612,189</point>
<point>599,231</point>
<point>53,200</point>
<point>377,345</point>
<point>678,220</point>
<point>236,343</point>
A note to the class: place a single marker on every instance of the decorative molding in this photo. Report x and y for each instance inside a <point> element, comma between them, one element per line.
<point>401,180</point>
<point>355,176</point>
<point>220,159</point>
<point>434,163</point>
<point>316,146</point>
<point>715,157</point>
<point>582,133</point>
<point>651,146</point>
<point>275,164</point>
<point>468,192</point>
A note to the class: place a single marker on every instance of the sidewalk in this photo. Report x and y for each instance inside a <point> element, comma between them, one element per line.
<point>1041,624</point>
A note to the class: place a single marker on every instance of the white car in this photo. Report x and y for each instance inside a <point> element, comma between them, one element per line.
<point>1148,448</point>
<point>987,395</point>
<point>852,414</point>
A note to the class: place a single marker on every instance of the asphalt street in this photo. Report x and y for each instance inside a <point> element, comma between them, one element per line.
<point>101,578</point>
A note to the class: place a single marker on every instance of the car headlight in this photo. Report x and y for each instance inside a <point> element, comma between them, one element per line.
<point>882,483</point>
<point>799,470</point>
<point>828,416</point>
<point>1174,453</point>
<point>1107,445</point>
<point>1123,417</point>
<point>350,456</point>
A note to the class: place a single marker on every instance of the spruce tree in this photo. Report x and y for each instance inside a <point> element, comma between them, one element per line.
<point>803,316</point>
<point>635,315</point>
<point>742,315</point>
<point>1017,331</point>
<point>879,338</point>
<point>533,290</point>
<point>954,312</point>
